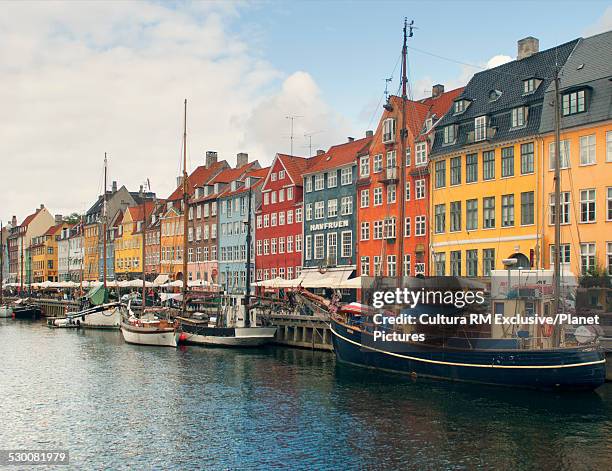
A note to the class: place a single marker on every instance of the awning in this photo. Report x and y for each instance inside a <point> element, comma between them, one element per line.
<point>160,280</point>
<point>334,278</point>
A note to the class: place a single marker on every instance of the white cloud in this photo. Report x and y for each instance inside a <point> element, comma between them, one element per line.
<point>81,79</point>
<point>603,24</point>
<point>498,60</point>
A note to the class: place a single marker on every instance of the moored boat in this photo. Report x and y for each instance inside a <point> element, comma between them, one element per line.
<point>25,310</point>
<point>152,331</point>
<point>200,332</point>
<point>6,311</point>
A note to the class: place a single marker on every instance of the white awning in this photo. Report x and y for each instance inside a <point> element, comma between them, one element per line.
<point>160,280</point>
<point>334,278</point>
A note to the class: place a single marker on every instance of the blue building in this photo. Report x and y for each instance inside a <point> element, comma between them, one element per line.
<point>233,217</point>
<point>330,209</point>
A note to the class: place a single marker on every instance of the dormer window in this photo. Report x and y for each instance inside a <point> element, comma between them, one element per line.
<point>530,85</point>
<point>573,102</point>
<point>494,95</point>
<point>428,124</point>
<point>519,116</point>
<point>388,130</point>
<point>461,106</point>
<point>449,134</point>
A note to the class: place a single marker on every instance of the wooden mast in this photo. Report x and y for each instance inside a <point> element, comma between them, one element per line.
<point>185,210</point>
<point>557,179</point>
<point>247,297</point>
<point>144,241</point>
<point>1,261</point>
<point>104,222</point>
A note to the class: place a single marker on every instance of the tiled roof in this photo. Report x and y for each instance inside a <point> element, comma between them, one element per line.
<point>507,79</point>
<point>230,174</point>
<point>589,65</point>
<point>30,218</point>
<point>259,173</point>
<point>137,212</point>
<point>53,229</point>
<point>198,177</point>
<point>295,166</point>
<point>337,156</point>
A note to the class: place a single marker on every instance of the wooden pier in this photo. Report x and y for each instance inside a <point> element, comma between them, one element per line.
<point>302,331</point>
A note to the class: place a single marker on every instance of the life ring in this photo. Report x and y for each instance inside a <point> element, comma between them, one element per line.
<point>547,329</point>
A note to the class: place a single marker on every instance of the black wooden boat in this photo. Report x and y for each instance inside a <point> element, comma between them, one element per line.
<point>27,312</point>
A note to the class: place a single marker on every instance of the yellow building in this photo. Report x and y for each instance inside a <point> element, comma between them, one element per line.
<point>171,241</point>
<point>128,242</point>
<point>44,254</point>
<point>90,252</point>
<point>486,186</point>
<point>586,160</point>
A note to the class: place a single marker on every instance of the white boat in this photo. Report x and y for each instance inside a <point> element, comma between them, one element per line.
<point>107,319</point>
<point>155,332</point>
<point>6,311</point>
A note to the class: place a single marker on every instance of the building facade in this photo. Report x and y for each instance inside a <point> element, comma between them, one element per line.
<point>44,252</point>
<point>278,227</point>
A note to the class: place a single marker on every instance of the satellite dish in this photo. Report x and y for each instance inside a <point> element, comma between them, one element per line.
<point>584,334</point>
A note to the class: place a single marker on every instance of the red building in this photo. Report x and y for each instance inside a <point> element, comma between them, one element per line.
<point>379,229</point>
<point>278,228</point>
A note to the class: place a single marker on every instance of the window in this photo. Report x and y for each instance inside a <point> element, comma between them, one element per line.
<point>573,103</point>
<point>388,130</point>
<point>266,247</point>
<point>407,155</point>
<point>471,168</point>
<point>455,263</point>
<point>298,215</point>
<point>273,198</point>
<point>449,134</point>
<point>378,196</point>
<point>289,244</point>
<point>488,212</point>
<point>530,85</point>
<point>471,262</point>
<point>460,106</point>
<point>440,218</point>
<point>519,116</point>
<point>564,157</point>
<point>365,231</point>
<point>319,182</point>
<point>488,165</point>
<point>273,245</point>
<point>273,176</point>
<point>407,192</point>
<point>332,208</point>
<point>332,248</point>
<point>377,164</point>
<point>488,261</point>
<point>391,265</point>
<point>364,165</point>
<point>455,216</point>
<point>439,263</point>
<point>365,198</point>
<point>527,208</point>
<point>587,257</point>
<point>587,150</point>
<point>480,128</point>
<point>390,228</point>
<point>273,220</point>
<point>377,265</point>
<point>259,247</point>
<point>281,198</point>
<point>421,153</point>
<point>289,193</point>
<point>308,184</point>
<point>471,215</point>
<point>308,211</point>
<point>455,171</point>
<point>346,205</point>
<point>378,230</point>
<point>281,174</point>
<point>565,207</point>
<point>609,257</point>
<point>609,204</point>
<point>281,218</point>
<point>441,174</point>
<point>259,222</point>
<point>290,217</point>
<point>507,210</point>
<point>391,160</point>
<point>507,159</point>
<point>346,176</point>
<point>609,146</point>
<point>365,266</point>
<point>564,251</point>
<point>391,193</point>
<point>587,205</point>
<point>407,227</point>
<point>298,242</point>
<point>332,179</point>
<point>419,226</point>
<point>319,249</point>
<point>407,267</point>
<point>420,189</point>
<point>527,158</point>
<point>347,244</point>
<point>319,210</point>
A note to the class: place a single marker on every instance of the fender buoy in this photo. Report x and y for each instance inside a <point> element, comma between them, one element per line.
<point>182,337</point>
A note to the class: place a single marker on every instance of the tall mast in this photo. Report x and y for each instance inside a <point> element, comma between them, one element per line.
<point>247,297</point>
<point>402,156</point>
<point>1,261</point>
<point>557,266</point>
<point>144,241</point>
<point>104,225</point>
<point>185,201</point>
<point>81,231</point>
<point>21,266</point>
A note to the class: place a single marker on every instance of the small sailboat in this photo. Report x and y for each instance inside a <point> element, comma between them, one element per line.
<point>148,330</point>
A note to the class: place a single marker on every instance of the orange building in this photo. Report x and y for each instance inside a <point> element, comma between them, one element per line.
<point>379,230</point>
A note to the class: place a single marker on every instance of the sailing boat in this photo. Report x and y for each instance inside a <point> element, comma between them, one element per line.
<point>5,311</point>
<point>234,326</point>
<point>496,361</point>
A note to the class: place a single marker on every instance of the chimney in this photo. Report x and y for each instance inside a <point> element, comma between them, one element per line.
<point>369,133</point>
<point>114,187</point>
<point>527,47</point>
<point>58,219</point>
<point>42,206</point>
<point>211,158</point>
<point>242,159</point>
<point>14,221</point>
<point>140,191</point>
<point>437,90</point>
<point>320,151</point>
<point>351,139</point>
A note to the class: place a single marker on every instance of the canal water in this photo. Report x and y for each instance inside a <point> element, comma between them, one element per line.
<point>117,406</point>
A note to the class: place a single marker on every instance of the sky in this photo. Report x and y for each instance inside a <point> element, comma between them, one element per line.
<point>83,78</point>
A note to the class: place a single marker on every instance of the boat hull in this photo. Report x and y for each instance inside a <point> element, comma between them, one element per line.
<point>166,337</point>
<point>227,336</point>
<point>27,313</point>
<point>6,311</point>
<point>107,319</point>
<point>578,368</point>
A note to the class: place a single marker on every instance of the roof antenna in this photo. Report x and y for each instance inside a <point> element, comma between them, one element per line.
<point>292,118</point>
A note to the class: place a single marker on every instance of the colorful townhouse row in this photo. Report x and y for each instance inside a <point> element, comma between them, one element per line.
<point>477,166</point>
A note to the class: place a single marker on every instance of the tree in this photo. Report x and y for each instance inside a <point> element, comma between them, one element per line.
<point>73,218</point>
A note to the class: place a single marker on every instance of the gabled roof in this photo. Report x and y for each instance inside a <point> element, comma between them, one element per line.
<point>137,212</point>
<point>230,174</point>
<point>338,155</point>
<point>53,229</point>
<point>258,173</point>
<point>30,218</point>
<point>198,177</point>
